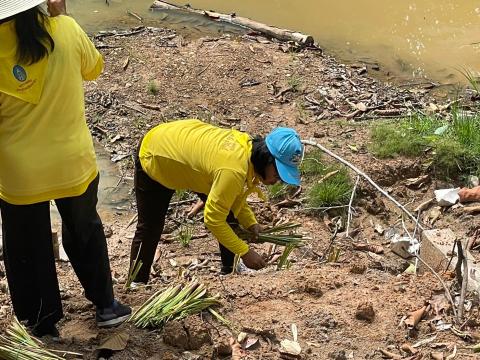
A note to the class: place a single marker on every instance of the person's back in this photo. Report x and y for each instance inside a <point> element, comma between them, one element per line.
<point>54,124</point>
<point>46,153</point>
<point>189,154</point>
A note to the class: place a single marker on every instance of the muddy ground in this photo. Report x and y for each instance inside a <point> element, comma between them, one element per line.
<point>348,309</point>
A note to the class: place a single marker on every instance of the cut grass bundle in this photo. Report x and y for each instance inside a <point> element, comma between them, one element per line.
<point>279,235</point>
<point>17,344</point>
<point>174,303</point>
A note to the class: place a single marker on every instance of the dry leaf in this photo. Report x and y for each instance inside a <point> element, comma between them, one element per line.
<point>115,342</point>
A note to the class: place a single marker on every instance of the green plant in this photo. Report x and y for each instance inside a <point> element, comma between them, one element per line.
<point>389,140</point>
<point>472,79</point>
<point>185,235</point>
<point>277,190</point>
<point>174,303</point>
<point>17,344</point>
<point>294,82</point>
<point>454,145</point>
<point>334,190</point>
<point>152,88</point>
<point>279,235</point>
<point>181,194</point>
<point>312,163</point>
<point>283,262</point>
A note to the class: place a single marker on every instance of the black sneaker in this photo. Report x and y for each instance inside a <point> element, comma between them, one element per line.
<point>113,315</point>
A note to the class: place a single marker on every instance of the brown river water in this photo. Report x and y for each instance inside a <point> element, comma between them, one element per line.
<point>409,39</point>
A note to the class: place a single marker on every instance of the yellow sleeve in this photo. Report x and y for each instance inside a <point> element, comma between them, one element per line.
<point>91,60</point>
<point>226,188</point>
<point>245,216</point>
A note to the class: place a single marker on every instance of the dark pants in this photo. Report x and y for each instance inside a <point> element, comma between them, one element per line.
<point>29,259</point>
<point>153,200</point>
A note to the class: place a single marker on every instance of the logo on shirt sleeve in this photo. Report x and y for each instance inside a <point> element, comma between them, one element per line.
<point>19,73</point>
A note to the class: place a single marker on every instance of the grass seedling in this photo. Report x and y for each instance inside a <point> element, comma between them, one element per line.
<point>294,82</point>
<point>133,271</point>
<point>334,190</point>
<point>185,235</point>
<point>334,254</point>
<point>283,262</point>
<point>312,163</point>
<point>277,190</point>
<point>472,79</point>
<point>152,88</point>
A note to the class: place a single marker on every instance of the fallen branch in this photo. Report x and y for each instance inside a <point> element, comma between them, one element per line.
<point>349,216</point>
<point>447,292</point>
<point>366,177</point>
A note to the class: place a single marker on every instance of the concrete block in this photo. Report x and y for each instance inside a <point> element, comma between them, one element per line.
<point>436,250</point>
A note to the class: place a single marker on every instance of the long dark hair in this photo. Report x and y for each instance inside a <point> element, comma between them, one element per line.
<point>261,156</point>
<point>34,41</point>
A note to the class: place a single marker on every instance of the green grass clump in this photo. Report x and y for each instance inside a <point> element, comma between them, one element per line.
<point>390,141</point>
<point>335,190</point>
<point>454,146</point>
<point>277,190</point>
<point>185,235</point>
<point>152,88</point>
<point>312,163</point>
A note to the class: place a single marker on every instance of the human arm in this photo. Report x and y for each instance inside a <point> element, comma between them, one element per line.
<point>57,7</point>
<point>226,188</point>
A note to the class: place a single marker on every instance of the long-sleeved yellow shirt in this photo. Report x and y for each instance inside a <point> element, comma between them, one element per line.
<point>193,155</point>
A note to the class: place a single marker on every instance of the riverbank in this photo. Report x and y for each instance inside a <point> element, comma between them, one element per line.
<point>350,308</point>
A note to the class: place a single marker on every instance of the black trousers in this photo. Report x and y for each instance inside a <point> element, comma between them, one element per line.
<point>29,259</point>
<point>153,200</point>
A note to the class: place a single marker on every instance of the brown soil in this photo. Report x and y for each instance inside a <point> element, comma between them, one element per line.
<point>344,310</point>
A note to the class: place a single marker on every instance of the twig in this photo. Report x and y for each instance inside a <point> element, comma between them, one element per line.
<point>463,258</point>
<point>349,216</point>
<point>447,292</point>
<point>361,173</point>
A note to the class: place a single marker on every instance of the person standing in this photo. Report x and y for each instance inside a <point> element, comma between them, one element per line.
<point>47,153</point>
<point>223,166</point>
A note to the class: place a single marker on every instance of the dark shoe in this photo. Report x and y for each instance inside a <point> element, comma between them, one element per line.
<point>113,315</point>
<point>41,330</point>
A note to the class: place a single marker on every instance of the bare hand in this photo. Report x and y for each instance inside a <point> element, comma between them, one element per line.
<point>253,261</point>
<point>255,229</point>
<point>57,7</point>
<point>195,209</point>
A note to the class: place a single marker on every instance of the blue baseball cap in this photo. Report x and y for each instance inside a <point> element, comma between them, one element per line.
<point>287,149</point>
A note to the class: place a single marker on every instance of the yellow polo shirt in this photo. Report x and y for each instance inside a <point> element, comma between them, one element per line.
<point>193,155</point>
<point>46,150</point>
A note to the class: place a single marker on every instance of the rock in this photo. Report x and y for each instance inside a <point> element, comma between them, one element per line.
<point>436,250</point>
<point>189,334</point>
<point>312,287</point>
<point>365,312</point>
<point>358,269</point>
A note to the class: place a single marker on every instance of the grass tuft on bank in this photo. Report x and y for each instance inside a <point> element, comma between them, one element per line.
<point>329,185</point>
<point>452,146</point>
